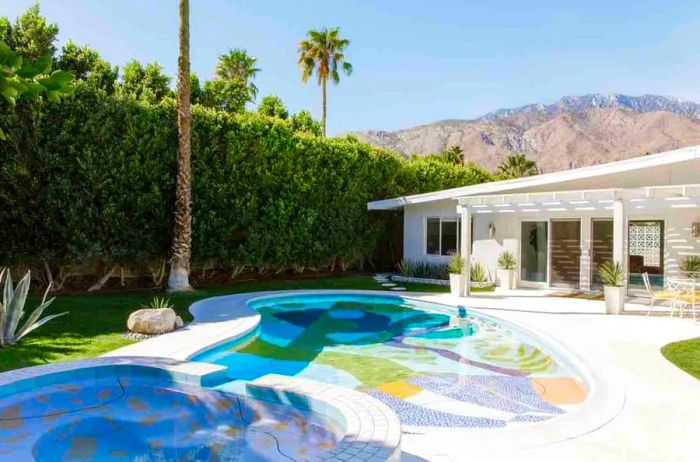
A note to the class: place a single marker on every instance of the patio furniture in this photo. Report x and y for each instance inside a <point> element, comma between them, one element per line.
<point>688,294</point>
<point>685,294</point>
<point>669,294</point>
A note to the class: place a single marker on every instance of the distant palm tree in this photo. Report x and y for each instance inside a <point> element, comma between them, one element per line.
<point>237,64</point>
<point>322,51</point>
<point>178,279</point>
<point>517,166</point>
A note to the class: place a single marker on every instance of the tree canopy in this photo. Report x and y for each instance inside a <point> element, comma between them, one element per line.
<point>516,166</point>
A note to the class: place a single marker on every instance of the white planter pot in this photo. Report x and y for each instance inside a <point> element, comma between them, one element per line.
<point>506,279</point>
<point>457,283</point>
<point>614,299</point>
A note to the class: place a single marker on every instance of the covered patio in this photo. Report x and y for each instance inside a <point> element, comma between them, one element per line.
<point>562,237</point>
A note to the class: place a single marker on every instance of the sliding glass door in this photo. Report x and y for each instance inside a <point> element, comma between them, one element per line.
<point>601,248</point>
<point>533,251</point>
<point>565,254</point>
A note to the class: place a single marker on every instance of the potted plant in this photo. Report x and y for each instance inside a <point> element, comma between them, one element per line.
<point>506,270</point>
<point>690,266</point>
<point>612,275</point>
<point>456,270</point>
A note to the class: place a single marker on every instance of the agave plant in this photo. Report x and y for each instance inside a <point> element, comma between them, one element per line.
<point>456,264</point>
<point>691,265</point>
<point>159,303</point>
<point>406,268</point>
<point>477,273</point>
<point>12,310</point>
<point>612,274</point>
<point>507,261</point>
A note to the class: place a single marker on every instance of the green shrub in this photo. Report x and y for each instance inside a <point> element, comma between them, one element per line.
<point>90,183</point>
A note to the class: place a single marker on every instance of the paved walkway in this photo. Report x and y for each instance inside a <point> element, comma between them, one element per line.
<point>659,415</point>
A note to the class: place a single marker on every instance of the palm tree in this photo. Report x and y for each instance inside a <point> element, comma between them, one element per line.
<point>237,64</point>
<point>516,166</point>
<point>322,51</point>
<point>178,279</point>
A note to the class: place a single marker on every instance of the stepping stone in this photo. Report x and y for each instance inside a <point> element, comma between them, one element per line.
<point>389,284</point>
<point>398,288</point>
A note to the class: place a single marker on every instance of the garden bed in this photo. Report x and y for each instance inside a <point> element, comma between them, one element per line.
<point>440,282</point>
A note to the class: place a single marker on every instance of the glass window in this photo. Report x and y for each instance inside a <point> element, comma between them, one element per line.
<point>432,236</point>
<point>449,238</point>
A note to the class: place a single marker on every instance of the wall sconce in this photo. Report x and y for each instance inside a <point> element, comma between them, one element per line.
<point>695,229</point>
<point>492,230</point>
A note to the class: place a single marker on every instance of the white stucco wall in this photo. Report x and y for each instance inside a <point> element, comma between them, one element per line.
<point>679,242</point>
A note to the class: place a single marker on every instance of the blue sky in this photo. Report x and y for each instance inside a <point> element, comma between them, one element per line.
<point>415,61</point>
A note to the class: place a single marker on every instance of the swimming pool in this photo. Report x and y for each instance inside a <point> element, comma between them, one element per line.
<point>142,417</point>
<point>429,365</point>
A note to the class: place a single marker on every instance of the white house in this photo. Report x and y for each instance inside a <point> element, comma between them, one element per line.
<point>643,212</point>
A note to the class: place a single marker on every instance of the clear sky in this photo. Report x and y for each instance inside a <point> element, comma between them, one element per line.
<point>415,61</point>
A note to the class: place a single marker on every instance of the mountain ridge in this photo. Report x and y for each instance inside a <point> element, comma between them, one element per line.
<point>574,131</point>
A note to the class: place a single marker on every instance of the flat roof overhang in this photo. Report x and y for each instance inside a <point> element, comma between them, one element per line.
<point>614,173</point>
<point>652,198</point>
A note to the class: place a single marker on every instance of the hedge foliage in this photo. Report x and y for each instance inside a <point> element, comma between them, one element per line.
<point>91,179</point>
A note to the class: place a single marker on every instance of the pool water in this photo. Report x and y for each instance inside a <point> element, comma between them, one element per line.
<point>432,367</point>
<point>121,419</point>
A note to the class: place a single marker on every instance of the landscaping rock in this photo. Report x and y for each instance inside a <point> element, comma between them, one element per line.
<point>152,321</point>
<point>178,322</point>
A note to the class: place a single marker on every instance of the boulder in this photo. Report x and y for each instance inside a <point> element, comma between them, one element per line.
<point>152,321</point>
<point>178,322</point>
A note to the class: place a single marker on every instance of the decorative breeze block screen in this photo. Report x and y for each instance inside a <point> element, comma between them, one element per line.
<point>645,241</point>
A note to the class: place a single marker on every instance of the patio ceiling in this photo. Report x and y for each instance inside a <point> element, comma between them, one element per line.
<point>654,197</point>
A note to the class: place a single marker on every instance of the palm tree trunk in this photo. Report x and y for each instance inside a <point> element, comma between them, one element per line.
<point>323,117</point>
<point>178,279</point>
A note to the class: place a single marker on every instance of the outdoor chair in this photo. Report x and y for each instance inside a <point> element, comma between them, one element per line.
<point>658,295</point>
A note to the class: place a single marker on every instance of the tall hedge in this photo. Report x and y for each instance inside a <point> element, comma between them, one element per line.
<point>91,180</point>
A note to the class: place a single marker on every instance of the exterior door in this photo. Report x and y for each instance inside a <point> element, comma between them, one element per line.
<point>565,254</point>
<point>533,252</point>
<point>601,248</point>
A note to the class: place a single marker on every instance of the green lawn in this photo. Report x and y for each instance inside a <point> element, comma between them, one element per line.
<point>95,322</point>
<point>685,354</point>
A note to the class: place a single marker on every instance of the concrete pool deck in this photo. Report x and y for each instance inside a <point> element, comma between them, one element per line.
<point>659,418</point>
<point>642,407</point>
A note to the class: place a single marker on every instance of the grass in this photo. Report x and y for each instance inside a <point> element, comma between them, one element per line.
<point>685,354</point>
<point>95,322</point>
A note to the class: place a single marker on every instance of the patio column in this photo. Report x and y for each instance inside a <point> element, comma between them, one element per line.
<point>464,244</point>
<point>619,232</point>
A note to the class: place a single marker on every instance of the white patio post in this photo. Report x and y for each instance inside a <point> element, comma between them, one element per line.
<point>619,232</point>
<point>464,247</point>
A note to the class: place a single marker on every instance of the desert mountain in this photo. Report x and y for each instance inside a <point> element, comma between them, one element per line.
<point>573,132</point>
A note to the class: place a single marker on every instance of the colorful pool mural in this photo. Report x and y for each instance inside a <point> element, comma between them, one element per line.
<point>430,366</point>
<point>121,419</point>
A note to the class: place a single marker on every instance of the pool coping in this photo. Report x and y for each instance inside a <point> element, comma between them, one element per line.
<point>229,319</point>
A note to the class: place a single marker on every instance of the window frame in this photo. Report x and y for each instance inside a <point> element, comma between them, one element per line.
<point>441,220</point>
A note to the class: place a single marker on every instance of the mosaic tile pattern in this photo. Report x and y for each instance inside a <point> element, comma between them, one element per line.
<point>431,367</point>
<point>413,414</point>
<point>110,419</point>
<point>510,394</point>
